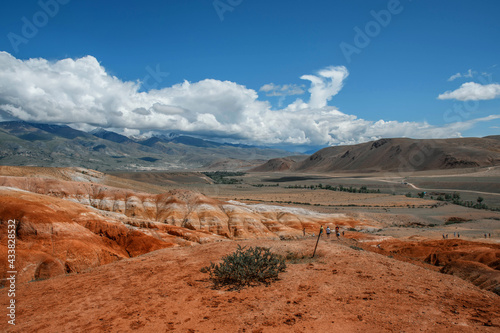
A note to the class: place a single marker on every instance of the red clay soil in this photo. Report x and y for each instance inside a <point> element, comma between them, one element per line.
<point>343,290</point>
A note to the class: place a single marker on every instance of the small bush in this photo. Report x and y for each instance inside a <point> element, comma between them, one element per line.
<point>246,267</point>
<point>454,219</point>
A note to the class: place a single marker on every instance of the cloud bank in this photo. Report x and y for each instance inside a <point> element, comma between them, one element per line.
<point>81,93</point>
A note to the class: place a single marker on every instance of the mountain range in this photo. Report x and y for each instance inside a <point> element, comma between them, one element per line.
<point>24,143</point>
<point>35,144</point>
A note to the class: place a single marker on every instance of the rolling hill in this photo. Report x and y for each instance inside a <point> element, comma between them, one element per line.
<point>397,154</point>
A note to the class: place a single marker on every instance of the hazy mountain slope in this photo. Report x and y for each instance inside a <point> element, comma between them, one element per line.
<point>23,143</point>
<point>111,136</point>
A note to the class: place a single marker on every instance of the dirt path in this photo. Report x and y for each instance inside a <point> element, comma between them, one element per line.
<point>449,190</point>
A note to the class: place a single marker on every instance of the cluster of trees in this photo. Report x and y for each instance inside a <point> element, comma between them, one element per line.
<point>455,198</point>
<point>220,177</point>
<point>341,188</point>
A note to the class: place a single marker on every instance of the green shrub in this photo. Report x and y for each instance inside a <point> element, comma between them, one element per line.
<point>246,267</point>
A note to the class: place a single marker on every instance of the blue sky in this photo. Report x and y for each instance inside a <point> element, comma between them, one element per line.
<point>235,69</point>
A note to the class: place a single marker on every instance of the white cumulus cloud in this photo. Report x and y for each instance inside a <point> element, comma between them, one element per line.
<point>472,91</point>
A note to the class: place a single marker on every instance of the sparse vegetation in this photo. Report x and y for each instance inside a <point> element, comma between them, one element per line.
<point>245,267</point>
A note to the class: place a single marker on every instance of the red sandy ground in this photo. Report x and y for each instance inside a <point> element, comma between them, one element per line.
<point>343,290</point>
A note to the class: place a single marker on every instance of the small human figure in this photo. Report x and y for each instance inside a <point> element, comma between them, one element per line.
<point>328,232</point>
<point>443,236</point>
<point>485,236</point>
<point>489,235</point>
<point>321,231</point>
<point>446,236</point>
<point>337,231</point>
<point>458,234</point>
<point>454,234</point>
<point>304,231</point>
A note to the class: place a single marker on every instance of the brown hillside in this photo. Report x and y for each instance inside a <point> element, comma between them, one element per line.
<point>401,154</point>
<point>275,164</point>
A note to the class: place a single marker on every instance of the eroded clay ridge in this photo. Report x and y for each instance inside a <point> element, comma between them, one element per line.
<point>68,226</point>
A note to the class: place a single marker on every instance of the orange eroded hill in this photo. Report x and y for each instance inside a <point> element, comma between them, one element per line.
<point>68,226</point>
